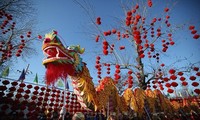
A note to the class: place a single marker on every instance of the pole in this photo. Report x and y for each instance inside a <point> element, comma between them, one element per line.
<point>64,99</point>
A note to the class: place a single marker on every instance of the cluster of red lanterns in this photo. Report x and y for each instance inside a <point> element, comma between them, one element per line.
<point>6,25</point>
<point>40,98</point>
<point>117,73</point>
<point>150,3</point>
<point>6,49</point>
<point>98,66</point>
<point>105,47</point>
<point>130,79</point>
<point>98,21</point>
<point>194,32</point>
<point>108,67</point>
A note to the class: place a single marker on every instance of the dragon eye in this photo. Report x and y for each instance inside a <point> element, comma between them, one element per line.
<point>47,40</point>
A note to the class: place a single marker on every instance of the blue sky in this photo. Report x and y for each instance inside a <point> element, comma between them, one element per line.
<point>73,25</point>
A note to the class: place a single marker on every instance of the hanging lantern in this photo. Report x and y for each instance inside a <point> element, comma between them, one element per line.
<point>170,90</point>
<point>33,97</point>
<point>27,91</point>
<point>168,85</point>
<point>14,83</point>
<point>18,95</point>
<point>174,84</point>
<point>36,87</point>
<point>196,69</point>
<point>182,78</point>
<point>173,77</point>
<point>20,90</point>
<point>184,83</point>
<point>40,98</point>
<point>180,73</point>
<point>198,74</point>
<point>12,89</point>
<point>41,93</point>
<point>5,82</point>
<point>35,92</point>
<point>172,71</point>
<point>9,95</point>
<point>22,85</point>
<point>195,84</point>
<point>26,96</point>
<point>197,91</point>
<point>29,86</point>
<point>192,78</point>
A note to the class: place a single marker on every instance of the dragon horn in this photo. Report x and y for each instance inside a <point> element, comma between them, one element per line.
<point>80,50</point>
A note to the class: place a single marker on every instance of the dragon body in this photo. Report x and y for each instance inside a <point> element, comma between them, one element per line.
<point>62,62</point>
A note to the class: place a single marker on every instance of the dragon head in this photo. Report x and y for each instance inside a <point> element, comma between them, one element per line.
<point>60,60</point>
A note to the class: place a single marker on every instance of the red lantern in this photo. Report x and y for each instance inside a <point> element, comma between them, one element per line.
<point>191,27</point>
<point>36,87</point>
<point>195,84</point>
<point>29,86</point>
<point>5,82</point>
<point>168,85</point>
<point>20,90</point>
<point>182,78</point>
<point>22,85</point>
<point>173,77</point>
<point>14,83</point>
<point>197,91</point>
<point>180,73</point>
<point>174,84</point>
<point>172,71</point>
<point>184,83</point>
<point>196,69</point>
<point>192,78</point>
<point>12,88</point>
<point>26,96</point>
<point>198,74</point>
<point>10,95</point>
<point>170,90</point>
<point>27,91</point>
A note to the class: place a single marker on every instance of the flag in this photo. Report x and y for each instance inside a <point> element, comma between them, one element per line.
<point>5,73</point>
<point>60,83</point>
<point>36,79</point>
<point>67,85</point>
<point>22,76</point>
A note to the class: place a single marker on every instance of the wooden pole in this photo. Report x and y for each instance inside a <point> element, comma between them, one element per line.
<point>64,99</point>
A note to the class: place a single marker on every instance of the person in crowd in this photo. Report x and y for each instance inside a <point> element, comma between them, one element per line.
<point>67,116</point>
<point>55,115</point>
<point>78,116</point>
<point>42,116</point>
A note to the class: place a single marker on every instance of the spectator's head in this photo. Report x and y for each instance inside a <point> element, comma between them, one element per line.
<point>78,116</point>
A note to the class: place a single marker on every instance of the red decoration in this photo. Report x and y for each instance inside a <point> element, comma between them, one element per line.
<point>55,71</point>
<point>172,71</point>
<point>195,84</point>
<point>182,78</point>
<point>173,77</point>
<point>191,27</point>
<point>5,82</point>
<point>197,91</point>
<point>174,84</point>
<point>192,78</point>
<point>196,69</point>
<point>170,90</point>
<point>166,9</point>
<point>184,83</point>
<point>98,21</point>
<point>168,85</point>
<point>198,74</point>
